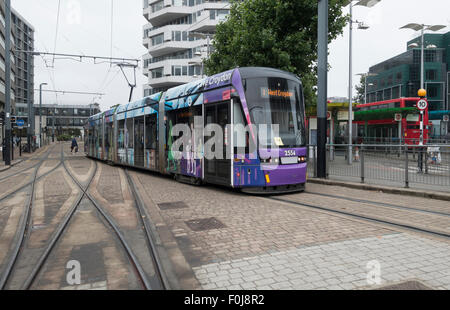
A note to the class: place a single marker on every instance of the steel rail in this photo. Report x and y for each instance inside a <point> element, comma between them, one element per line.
<point>29,183</point>
<point>367,218</point>
<point>141,273</point>
<point>23,229</point>
<point>164,282</point>
<point>58,232</point>
<point>25,169</point>
<point>382,204</point>
<point>18,172</point>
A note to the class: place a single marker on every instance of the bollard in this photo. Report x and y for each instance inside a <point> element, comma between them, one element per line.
<point>406,168</point>
<point>328,165</point>
<point>362,164</point>
<point>315,161</point>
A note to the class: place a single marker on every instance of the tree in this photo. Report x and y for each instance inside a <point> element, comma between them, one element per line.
<point>274,33</point>
<point>360,90</point>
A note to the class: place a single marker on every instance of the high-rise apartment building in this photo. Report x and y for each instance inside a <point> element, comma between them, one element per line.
<point>22,38</point>
<point>178,37</point>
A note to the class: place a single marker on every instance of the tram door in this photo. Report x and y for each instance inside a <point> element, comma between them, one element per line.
<point>139,142</point>
<point>217,170</point>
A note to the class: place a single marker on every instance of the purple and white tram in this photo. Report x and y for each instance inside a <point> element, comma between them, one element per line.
<point>244,128</point>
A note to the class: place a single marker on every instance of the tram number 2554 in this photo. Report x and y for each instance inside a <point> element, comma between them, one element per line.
<point>289,153</point>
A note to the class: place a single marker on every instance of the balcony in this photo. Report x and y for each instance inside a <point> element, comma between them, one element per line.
<point>160,17</point>
<point>170,81</point>
<point>169,47</point>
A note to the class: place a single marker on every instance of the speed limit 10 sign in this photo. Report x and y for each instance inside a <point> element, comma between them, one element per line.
<point>422,104</point>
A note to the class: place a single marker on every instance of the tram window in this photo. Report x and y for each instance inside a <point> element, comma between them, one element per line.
<point>121,135</point>
<point>239,128</point>
<point>129,134</point>
<point>151,136</point>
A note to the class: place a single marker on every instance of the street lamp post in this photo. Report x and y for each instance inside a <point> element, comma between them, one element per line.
<point>422,28</point>
<point>40,114</point>
<point>208,43</point>
<point>366,75</point>
<point>362,26</point>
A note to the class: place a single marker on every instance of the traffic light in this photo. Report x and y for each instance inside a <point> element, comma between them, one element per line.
<point>2,116</point>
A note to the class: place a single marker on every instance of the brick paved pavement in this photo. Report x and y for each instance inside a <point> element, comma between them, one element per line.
<point>336,265</point>
<point>269,245</point>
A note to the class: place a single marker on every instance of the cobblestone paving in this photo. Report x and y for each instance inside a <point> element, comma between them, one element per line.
<point>110,185</point>
<point>269,245</point>
<point>253,226</point>
<point>337,265</point>
<point>412,202</point>
<point>429,221</point>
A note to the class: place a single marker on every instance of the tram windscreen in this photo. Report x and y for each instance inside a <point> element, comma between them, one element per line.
<point>277,101</point>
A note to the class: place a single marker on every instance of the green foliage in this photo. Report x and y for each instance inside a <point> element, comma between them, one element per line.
<point>360,90</point>
<point>64,138</point>
<point>274,33</point>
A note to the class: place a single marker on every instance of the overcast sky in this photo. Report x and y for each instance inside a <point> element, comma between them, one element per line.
<point>85,28</point>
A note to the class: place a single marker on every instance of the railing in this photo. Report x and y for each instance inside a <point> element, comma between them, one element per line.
<point>426,167</point>
<point>387,140</point>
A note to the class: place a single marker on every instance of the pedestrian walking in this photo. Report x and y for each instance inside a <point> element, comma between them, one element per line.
<point>74,145</point>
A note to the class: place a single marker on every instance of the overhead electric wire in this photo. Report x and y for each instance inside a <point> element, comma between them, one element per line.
<point>57,28</point>
<point>112,27</point>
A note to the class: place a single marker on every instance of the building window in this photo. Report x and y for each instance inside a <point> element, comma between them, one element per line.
<point>157,6</point>
<point>432,91</point>
<point>431,75</point>
<point>430,55</point>
<point>159,39</point>
<point>157,73</point>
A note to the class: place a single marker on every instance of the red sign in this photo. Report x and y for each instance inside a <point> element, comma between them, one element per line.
<point>226,95</point>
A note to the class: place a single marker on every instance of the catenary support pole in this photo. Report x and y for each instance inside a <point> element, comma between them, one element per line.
<point>322,88</point>
<point>350,91</point>
<point>8,82</point>
<point>29,104</point>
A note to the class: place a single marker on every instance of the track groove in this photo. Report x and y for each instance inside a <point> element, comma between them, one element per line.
<point>367,218</point>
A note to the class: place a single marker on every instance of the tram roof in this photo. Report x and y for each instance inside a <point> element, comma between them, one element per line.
<point>255,72</point>
<point>141,103</point>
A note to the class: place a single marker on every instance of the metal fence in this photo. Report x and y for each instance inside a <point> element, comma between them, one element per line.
<point>391,140</point>
<point>427,167</point>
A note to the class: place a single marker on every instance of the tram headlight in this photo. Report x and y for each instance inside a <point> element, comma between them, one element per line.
<point>302,159</point>
<point>270,160</point>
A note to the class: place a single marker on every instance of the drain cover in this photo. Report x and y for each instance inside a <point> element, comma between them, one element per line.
<point>205,224</point>
<point>406,286</point>
<point>172,205</point>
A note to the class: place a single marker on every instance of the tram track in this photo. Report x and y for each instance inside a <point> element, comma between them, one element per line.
<point>24,226</point>
<point>18,172</point>
<point>38,178</point>
<point>382,204</point>
<point>24,169</point>
<point>85,193</point>
<point>58,233</point>
<point>159,270</point>
<point>384,221</point>
<point>60,229</point>
<point>160,282</point>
